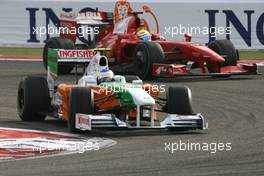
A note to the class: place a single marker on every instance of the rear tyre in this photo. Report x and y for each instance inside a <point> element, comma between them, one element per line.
<point>146,54</point>
<point>58,43</point>
<point>179,101</point>
<point>222,47</point>
<point>81,101</point>
<point>238,56</point>
<point>33,98</point>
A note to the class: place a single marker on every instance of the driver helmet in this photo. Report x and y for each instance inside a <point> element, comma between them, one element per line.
<point>144,35</point>
<point>105,75</point>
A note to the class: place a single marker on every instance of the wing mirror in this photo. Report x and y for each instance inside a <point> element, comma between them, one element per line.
<point>188,37</point>
<point>137,82</point>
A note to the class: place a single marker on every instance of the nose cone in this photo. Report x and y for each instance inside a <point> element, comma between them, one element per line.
<point>141,97</point>
<point>208,53</point>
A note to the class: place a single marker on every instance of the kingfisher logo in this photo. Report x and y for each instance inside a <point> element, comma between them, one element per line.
<point>76,53</point>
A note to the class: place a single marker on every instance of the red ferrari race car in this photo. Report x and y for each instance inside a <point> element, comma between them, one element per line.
<point>134,50</point>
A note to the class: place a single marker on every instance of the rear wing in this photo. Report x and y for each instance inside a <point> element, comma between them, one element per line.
<point>95,18</point>
<point>57,57</point>
<point>62,56</point>
<point>70,21</point>
<point>89,18</point>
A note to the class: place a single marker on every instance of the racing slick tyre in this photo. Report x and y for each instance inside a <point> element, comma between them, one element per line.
<point>179,101</point>
<point>226,48</point>
<point>58,43</point>
<point>238,56</point>
<point>33,98</point>
<point>146,54</point>
<point>130,78</point>
<point>81,101</point>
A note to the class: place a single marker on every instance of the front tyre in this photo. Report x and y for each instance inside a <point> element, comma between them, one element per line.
<point>179,101</point>
<point>226,48</point>
<point>81,101</point>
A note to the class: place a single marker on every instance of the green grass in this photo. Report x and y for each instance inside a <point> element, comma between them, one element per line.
<point>38,52</point>
<point>251,54</point>
<point>21,51</point>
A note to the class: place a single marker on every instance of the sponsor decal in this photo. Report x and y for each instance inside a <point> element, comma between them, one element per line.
<point>160,69</point>
<point>67,16</point>
<point>76,53</point>
<point>83,122</point>
<point>52,64</point>
<point>21,144</point>
<point>89,14</point>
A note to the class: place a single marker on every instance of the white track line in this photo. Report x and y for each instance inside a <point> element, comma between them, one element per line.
<point>22,59</point>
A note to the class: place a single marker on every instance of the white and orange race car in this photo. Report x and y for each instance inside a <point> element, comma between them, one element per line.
<point>119,102</point>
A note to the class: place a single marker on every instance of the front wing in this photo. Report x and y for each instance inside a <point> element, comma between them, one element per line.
<point>244,67</point>
<point>86,122</point>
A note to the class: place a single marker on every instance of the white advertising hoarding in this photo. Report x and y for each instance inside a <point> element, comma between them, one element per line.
<point>241,21</point>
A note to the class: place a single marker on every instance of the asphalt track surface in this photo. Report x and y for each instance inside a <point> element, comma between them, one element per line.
<point>233,107</point>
